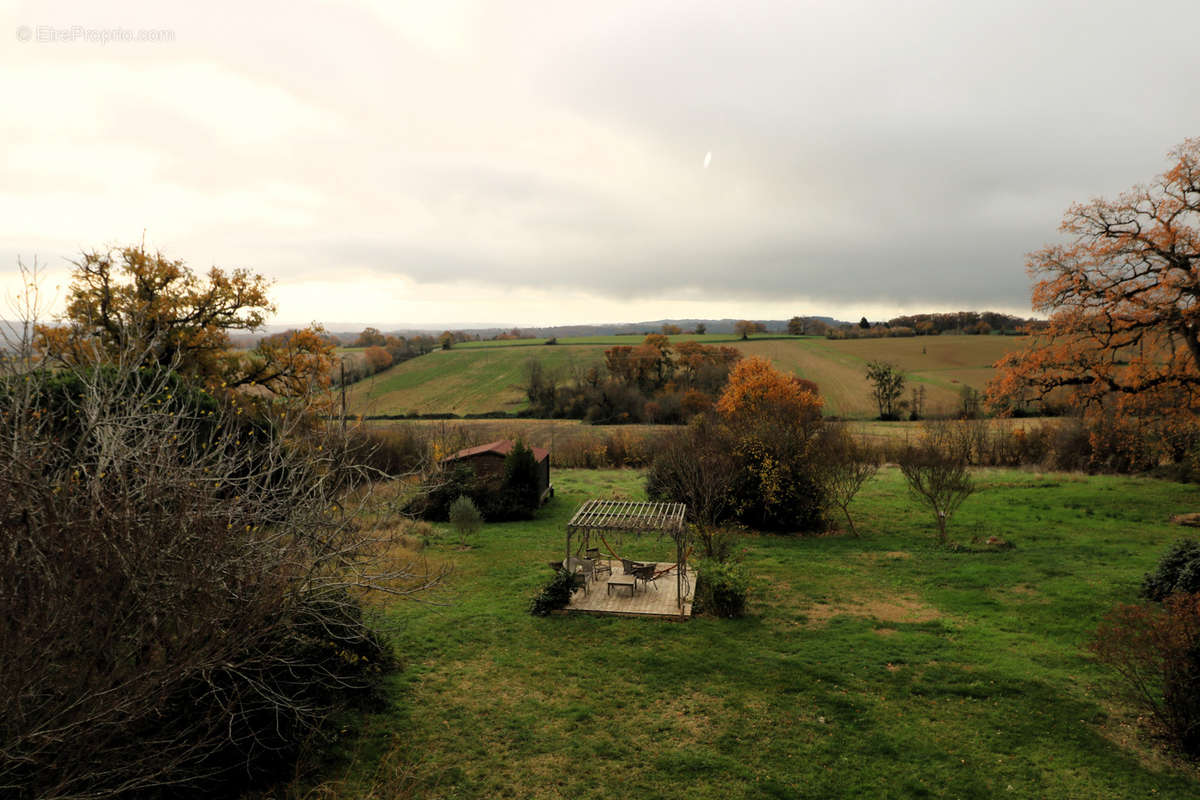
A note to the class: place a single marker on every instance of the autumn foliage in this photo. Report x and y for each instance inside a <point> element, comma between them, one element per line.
<point>755,459</point>
<point>1123,296</point>
<point>649,382</point>
<point>1156,652</point>
<point>133,301</point>
<point>756,389</point>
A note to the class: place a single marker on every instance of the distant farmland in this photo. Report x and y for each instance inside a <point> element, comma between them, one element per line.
<point>487,376</point>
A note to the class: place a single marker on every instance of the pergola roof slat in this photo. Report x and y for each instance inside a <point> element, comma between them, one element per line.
<point>627,515</point>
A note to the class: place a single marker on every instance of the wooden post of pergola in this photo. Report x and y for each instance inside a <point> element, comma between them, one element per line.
<point>627,516</point>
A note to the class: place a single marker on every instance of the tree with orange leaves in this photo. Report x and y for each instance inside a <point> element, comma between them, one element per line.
<point>756,390</point>
<point>773,419</point>
<point>133,301</point>
<point>1123,299</point>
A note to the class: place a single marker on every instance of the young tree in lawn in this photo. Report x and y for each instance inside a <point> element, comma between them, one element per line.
<point>937,474</point>
<point>845,466</point>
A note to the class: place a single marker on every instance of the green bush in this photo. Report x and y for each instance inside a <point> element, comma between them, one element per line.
<point>722,588</point>
<point>465,518</point>
<point>442,488</point>
<point>554,595</point>
<point>1178,572</point>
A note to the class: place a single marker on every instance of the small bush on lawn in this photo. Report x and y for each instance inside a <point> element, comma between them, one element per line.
<point>554,595</point>
<point>1156,651</point>
<point>465,518</point>
<point>721,588</point>
<point>1177,572</point>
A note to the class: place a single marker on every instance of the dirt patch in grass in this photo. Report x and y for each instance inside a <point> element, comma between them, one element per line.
<point>885,631</point>
<point>893,555</point>
<point>1020,593</point>
<point>894,609</point>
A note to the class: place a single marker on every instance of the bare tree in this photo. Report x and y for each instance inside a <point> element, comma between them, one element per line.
<point>697,467</point>
<point>937,474</point>
<point>845,465</point>
<point>887,383</point>
<point>177,577</point>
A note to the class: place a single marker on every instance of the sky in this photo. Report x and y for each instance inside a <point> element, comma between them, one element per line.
<point>540,163</point>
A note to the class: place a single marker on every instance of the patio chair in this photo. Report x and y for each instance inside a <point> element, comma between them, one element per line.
<point>646,574</point>
<point>585,566</point>
<point>593,555</point>
<point>627,566</point>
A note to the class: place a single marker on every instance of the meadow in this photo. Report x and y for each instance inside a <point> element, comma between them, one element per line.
<point>478,377</point>
<point>880,666</point>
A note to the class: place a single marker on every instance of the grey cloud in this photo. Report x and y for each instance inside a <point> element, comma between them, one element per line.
<point>902,153</point>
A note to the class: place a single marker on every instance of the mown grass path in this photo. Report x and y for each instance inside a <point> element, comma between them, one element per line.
<point>874,667</point>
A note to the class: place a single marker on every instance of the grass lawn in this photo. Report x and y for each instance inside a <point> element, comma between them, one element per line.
<point>872,667</point>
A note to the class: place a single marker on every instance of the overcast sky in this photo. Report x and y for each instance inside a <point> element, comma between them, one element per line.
<point>544,162</point>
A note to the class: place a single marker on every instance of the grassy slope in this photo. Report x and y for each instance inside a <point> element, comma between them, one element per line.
<point>943,364</point>
<point>462,380</point>
<point>486,376</point>
<point>873,667</point>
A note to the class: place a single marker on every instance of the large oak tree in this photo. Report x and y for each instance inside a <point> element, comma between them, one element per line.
<point>1124,303</point>
<point>130,300</point>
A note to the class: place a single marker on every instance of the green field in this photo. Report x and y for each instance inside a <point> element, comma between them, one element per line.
<point>874,667</point>
<point>478,377</point>
<point>463,380</point>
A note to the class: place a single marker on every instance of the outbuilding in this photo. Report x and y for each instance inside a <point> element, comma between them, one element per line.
<point>488,462</point>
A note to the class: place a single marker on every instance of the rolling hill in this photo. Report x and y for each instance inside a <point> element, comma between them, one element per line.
<point>479,377</point>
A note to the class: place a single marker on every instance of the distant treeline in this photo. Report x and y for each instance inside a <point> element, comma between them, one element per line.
<point>964,322</point>
<point>811,325</point>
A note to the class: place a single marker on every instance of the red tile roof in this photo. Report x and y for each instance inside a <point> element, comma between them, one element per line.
<point>501,447</point>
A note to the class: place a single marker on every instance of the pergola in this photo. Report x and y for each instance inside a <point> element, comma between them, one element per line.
<point>628,516</point>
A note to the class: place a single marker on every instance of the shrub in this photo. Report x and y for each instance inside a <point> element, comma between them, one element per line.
<point>1156,652</point>
<point>757,468</point>
<point>441,488</point>
<point>716,543</point>
<point>1178,571</point>
<point>389,452</point>
<point>845,466</point>
<point>722,588</point>
<point>465,518</point>
<point>178,566</point>
<point>696,467</point>
<point>554,595</point>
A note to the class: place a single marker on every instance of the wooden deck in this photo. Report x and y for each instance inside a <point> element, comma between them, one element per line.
<point>645,602</point>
